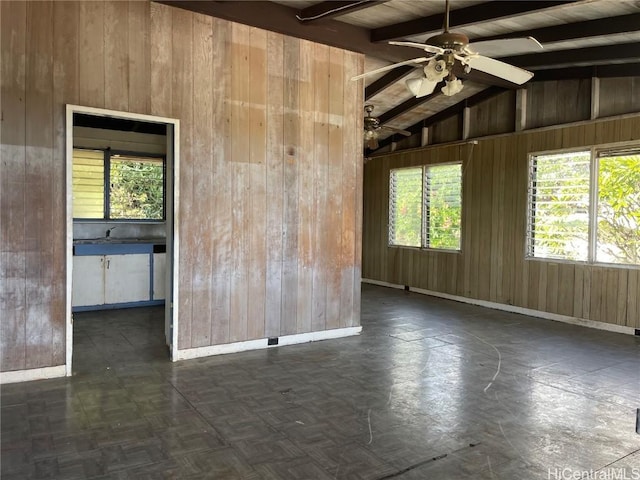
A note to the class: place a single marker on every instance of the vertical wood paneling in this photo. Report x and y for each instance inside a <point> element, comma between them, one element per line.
<point>161,55</point>
<point>320,76</point>
<point>91,61</point>
<point>221,200</point>
<point>182,100</point>
<point>138,58</point>
<point>38,184</point>
<point>353,153</point>
<point>271,168</point>
<point>65,90</point>
<point>633,299</point>
<point>281,187</point>
<point>12,185</point>
<point>306,189</point>
<point>116,55</point>
<point>256,293</point>
<point>334,206</point>
<point>240,193</point>
<point>492,264</point>
<point>202,181</point>
<point>290,164</point>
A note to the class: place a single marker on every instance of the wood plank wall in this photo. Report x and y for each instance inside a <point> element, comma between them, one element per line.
<point>271,167</point>
<point>492,265</point>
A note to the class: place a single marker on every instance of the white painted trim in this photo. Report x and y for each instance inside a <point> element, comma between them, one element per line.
<point>69,240</point>
<point>175,158</point>
<point>16,376</point>
<point>262,343</point>
<point>583,322</point>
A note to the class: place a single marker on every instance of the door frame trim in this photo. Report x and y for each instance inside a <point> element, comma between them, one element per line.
<point>172,216</point>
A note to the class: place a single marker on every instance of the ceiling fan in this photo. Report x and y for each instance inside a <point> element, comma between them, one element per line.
<point>372,129</point>
<point>448,50</point>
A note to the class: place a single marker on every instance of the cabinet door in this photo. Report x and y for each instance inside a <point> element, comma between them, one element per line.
<point>127,278</point>
<point>159,272</point>
<point>88,281</point>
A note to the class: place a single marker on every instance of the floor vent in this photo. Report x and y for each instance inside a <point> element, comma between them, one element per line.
<point>272,341</point>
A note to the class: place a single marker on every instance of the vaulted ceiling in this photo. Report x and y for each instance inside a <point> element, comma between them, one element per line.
<point>581,39</point>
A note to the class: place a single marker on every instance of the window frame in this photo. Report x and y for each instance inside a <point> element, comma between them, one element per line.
<point>595,153</point>
<point>424,220</point>
<point>108,153</point>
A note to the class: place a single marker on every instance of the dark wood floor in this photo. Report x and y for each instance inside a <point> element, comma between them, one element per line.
<point>431,389</point>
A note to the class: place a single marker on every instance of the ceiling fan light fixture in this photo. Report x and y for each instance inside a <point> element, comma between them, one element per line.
<point>452,87</point>
<point>413,84</point>
<point>436,70</point>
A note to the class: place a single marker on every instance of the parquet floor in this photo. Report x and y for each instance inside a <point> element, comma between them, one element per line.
<point>431,389</point>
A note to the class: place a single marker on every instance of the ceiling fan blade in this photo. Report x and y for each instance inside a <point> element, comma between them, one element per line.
<point>499,69</point>
<point>372,143</point>
<point>391,67</point>
<point>397,130</point>
<point>426,47</point>
<point>421,87</point>
<point>505,46</point>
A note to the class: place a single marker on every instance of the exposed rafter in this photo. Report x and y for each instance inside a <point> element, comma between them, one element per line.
<point>388,79</point>
<point>605,54</point>
<point>404,107</point>
<point>327,10</point>
<point>449,112</point>
<point>575,30</point>
<point>482,12</point>
<point>600,71</point>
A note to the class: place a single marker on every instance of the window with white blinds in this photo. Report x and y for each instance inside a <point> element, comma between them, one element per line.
<point>559,206</point>
<point>405,207</point>
<point>425,206</point>
<point>585,206</point>
<point>88,183</point>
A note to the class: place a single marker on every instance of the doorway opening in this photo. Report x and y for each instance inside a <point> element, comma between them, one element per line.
<point>122,241</point>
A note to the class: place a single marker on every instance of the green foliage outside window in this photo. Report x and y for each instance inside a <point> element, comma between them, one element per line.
<point>619,209</point>
<point>561,212</point>
<point>444,206</point>
<point>137,190</point>
<point>425,207</point>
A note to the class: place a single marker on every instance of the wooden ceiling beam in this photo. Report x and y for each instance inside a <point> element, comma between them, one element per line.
<point>448,112</point>
<point>331,9</point>
<point>576,30</point>
<point>482,12</point>
<point>604,54</point>
<point>385,81</point>
<point>282,19</point>
<point>406,106</point>
<point>577,73</point>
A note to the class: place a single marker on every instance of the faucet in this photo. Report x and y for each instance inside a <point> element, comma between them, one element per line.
<point>109,230</point>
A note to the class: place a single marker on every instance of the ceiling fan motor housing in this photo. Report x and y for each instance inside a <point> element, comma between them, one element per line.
<point>449,41</point>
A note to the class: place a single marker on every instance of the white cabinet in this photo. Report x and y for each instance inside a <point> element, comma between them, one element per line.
<point>88,280</point>
<point>107,279</point>
<point>127,278</point>
<point>159,272</point>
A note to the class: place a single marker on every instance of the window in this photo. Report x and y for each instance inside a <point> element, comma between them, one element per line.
<point>108,185</point>
<point>425,206</point>
<point>585,206</point>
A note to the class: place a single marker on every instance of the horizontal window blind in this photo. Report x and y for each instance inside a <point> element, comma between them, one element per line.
<point>88,183</point>
<point>443,209</point>
<point>405,207</point>
<point>558,192</point>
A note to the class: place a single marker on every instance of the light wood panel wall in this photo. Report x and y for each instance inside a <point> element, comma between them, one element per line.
<point>271,167</point>
<point>491,265</point>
